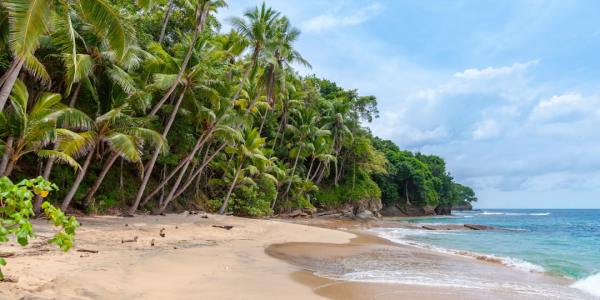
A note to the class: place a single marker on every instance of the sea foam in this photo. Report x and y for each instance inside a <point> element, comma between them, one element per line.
<point>398,235</point>
<point>590,285</point>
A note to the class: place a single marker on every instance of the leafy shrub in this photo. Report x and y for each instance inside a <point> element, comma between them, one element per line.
<point>254,200</point>
<point>16,208</point>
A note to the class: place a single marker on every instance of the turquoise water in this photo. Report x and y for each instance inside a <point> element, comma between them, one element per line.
<point>563,242</point>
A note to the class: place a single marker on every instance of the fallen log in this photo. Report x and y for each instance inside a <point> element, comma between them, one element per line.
<point>87,251</point>
<point>228,227</point>
<point>7,254</point>
<point>133,240</point>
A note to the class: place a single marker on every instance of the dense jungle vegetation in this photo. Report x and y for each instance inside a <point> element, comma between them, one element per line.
<point>151,106</point>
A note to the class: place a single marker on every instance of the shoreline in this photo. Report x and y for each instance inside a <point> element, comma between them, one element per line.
<point>537,285</point>
<point>260,259</point>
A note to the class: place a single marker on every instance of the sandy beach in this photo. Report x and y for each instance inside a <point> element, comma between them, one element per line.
<point>256,259</point>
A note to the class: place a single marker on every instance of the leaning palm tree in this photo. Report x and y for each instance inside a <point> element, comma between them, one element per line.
<point>29,130</point>
<point>248,149</point>
<point>30,20</point>
<point>124,137</point>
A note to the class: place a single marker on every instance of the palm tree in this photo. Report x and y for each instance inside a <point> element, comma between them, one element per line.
<point>248,149</point>
<point>228,48</point>
<point>304,130</point>
<point>124,136</point>
<point>280,54</point>
<point>31,130</point>
<point>202,11</point>
<point>339,125</point>
<point>258,29</point>
<point>29,20</point>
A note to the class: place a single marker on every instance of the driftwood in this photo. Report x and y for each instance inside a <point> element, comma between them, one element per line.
<point>228,227</point>
<point>87,251</point>
<point>428,227</point>
<point>7,254</point>
<point>133,240</point>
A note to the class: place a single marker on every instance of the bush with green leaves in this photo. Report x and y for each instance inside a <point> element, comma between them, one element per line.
<point>16,210</point>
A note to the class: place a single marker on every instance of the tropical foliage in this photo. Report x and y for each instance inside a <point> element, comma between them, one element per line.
<point>17,208</point>
<point>149,106</point>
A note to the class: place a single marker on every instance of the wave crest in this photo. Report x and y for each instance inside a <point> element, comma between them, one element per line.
<point>589,285</point>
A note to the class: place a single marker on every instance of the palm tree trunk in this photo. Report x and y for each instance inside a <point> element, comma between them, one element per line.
<point>313,177</point>
<point>7,154</point>
<point>75,95</point>
<point>165,22</point>
<point>320,178</point>
<point>150,164</point>
<point>233,183</point>
<point>262,122</point>
<point>183,164</point>
<point>287,190</point>
<point>77,182</point>
<point>312,161</point>
<point>199,170</point>
<point>8,83</point>
<point>200,20</point>
<point>277,133</point>
<point>173,190</point>
<point>10,167</point>
<point>89,199</point>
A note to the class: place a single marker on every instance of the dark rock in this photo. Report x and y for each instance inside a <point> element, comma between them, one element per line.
<point>478,227</point>
<point>443,209</point>
<point>462,206</point>
<point>365,215</point>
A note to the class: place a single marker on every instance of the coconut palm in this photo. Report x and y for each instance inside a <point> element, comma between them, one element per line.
<point>203,8</point>
<point>249,148</point>
<point>30,20</point>
<point>123,137</point>
<point>257,28</point>
<point>303,130</point>
<point>30,129</point>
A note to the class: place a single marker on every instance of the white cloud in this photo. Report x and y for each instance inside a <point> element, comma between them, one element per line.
<point>486,129</point>
<point>491,72</point>
<point>330,21</point>
<point>562,107</point>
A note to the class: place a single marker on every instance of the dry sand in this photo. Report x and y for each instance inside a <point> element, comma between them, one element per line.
<point>193,261</point>
<point>257,259</point>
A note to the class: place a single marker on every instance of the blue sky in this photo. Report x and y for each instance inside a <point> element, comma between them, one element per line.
<point>506,91</point>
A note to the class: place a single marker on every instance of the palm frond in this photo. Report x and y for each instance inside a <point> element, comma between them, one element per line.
<point>36,68</point>
<point>59,156</point>
<point>28,21</point>
<point>122,79</point>
<point>74,144</point>
<point>107,22</point>
<point>125,145</point>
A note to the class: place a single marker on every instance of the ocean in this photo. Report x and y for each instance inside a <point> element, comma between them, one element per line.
<point>561,242</point>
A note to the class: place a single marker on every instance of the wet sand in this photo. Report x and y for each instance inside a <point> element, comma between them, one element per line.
<point>331,259</point>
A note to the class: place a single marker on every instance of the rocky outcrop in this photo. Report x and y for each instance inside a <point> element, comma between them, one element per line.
<point>401,210</point>
<point>408,211</point>
<point>367,209</point>
<point>443,209</point>
<point>463,206</point>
